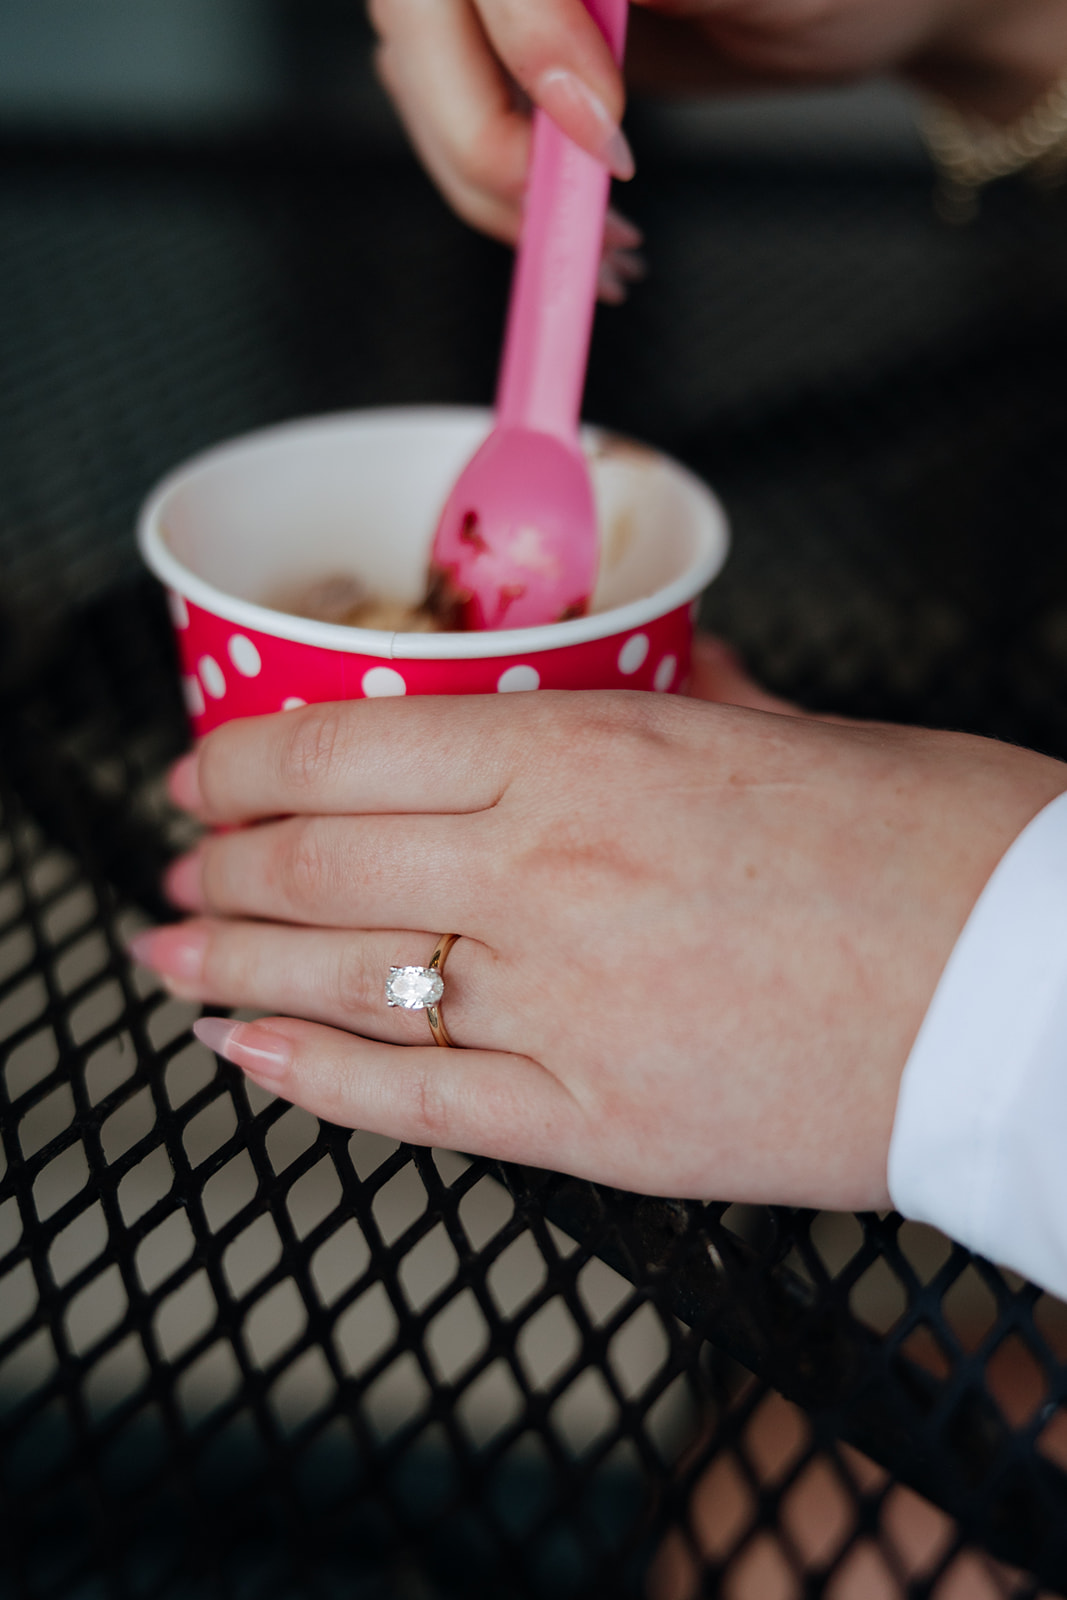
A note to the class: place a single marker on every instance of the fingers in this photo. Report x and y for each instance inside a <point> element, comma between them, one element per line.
<point>344,872</point>
<point>484,1102</point>
<point>456,102</point>
<point>718,674</point>
<point>557,54</point>
<point>618,270</point>
<point>620,233</point>
<point>325,976</point>
<point>451,67</point>
<point>417,755</point>
<point>622,263</point>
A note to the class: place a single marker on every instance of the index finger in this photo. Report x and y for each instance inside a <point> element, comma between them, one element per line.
<point>557,54</point>
<point>426,754</point>
<point>457,105</point>
<point>442,60</point>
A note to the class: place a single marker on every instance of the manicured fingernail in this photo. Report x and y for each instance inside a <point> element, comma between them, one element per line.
<point>176,954</point>
<point>620,233</point>
<point>183,782</point>
<point>629,265</point>
<point>618,157</point>
<point>181,881</point>
<point>257,1050</point>
<point>609,286</point>
<point>582,115</point>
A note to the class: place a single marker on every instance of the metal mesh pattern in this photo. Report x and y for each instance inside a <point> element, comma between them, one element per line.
<point>243,1354</point>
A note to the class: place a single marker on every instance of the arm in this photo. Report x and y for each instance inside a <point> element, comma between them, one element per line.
<point>979,1138</point>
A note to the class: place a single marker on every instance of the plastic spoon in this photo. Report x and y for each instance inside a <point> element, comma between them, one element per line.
<point>517,542</point>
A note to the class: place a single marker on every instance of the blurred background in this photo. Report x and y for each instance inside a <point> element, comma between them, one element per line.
<point>194,68</point>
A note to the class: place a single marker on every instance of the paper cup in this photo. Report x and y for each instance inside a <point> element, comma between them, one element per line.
<point>360,493</point>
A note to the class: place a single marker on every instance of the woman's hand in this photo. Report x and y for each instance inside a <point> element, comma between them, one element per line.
<point>453,68</point>
<point>697,941</point>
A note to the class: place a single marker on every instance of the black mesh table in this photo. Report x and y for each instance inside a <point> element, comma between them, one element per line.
<point>243,1354</point>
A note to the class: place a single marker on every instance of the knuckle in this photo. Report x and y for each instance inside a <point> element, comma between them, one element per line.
<point>486,166</point>
<point>355,988</point>
<point>429,1111</point>
<point>213,956</point>
<point>489,214</point>
<point>226,968</point>
<point>311,753</point>
<point>522,38</point>
<point>380,15</point>
<point>303,872</point>
<point>213,872</point>
<point>210,771</point>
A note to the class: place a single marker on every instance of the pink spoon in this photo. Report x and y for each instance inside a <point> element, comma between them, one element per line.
<point>517,542</point>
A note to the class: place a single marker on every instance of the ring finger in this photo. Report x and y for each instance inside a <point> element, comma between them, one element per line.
<point>324,975</point>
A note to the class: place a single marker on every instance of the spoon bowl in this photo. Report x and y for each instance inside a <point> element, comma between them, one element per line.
<point>517,542</point>
<point>361,491</point>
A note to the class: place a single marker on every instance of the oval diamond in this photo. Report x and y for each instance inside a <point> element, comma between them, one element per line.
<point>414,988</point>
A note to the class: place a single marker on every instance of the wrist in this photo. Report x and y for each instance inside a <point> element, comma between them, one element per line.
<point>998,63</point>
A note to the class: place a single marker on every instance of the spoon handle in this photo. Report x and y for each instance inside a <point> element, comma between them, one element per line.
<point>553,292</point>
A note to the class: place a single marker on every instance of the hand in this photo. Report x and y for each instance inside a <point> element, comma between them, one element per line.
<point>717,674</point>
<point>453,68</point>
<point>697,941</point>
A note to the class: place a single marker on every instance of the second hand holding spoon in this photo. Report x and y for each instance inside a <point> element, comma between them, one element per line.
<point>517,542</point>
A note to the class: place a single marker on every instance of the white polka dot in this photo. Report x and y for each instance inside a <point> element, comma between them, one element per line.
<point>665,673</point>
<point>179,611</point>
<point>211,676</point>
<point>633,653</point>
<point>379,681</point>
<point>245,656</point>
<point>193,696</point>
<point>516,678</point>
<point>293,703</point>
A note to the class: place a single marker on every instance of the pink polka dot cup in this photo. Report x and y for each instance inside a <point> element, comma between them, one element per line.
<point>360,493</point>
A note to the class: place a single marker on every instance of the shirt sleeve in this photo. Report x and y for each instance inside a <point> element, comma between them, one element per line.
<point>979,1145</point>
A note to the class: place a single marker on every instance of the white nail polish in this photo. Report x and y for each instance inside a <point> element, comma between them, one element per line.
<point>610,287</point>
<point>620,233</point>
<point>256,1049</point>
<point>216,1033</point>
<point>618,157</point>
<point>610,145</point>
<point>627,265</point>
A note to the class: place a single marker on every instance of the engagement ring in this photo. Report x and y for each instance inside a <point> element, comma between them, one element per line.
<point>421,988</point>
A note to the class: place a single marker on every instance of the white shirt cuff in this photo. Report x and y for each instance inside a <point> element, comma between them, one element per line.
<point>979,1146</point>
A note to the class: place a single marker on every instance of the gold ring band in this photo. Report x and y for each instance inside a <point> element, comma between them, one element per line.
<point>422,988</point>
<point>436,964</point>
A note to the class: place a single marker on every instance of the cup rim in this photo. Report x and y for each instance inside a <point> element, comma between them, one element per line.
<point>404,646</point>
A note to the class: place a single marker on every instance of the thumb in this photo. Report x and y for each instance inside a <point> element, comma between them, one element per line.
<point>717,673</point>
<point>559,57</point>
